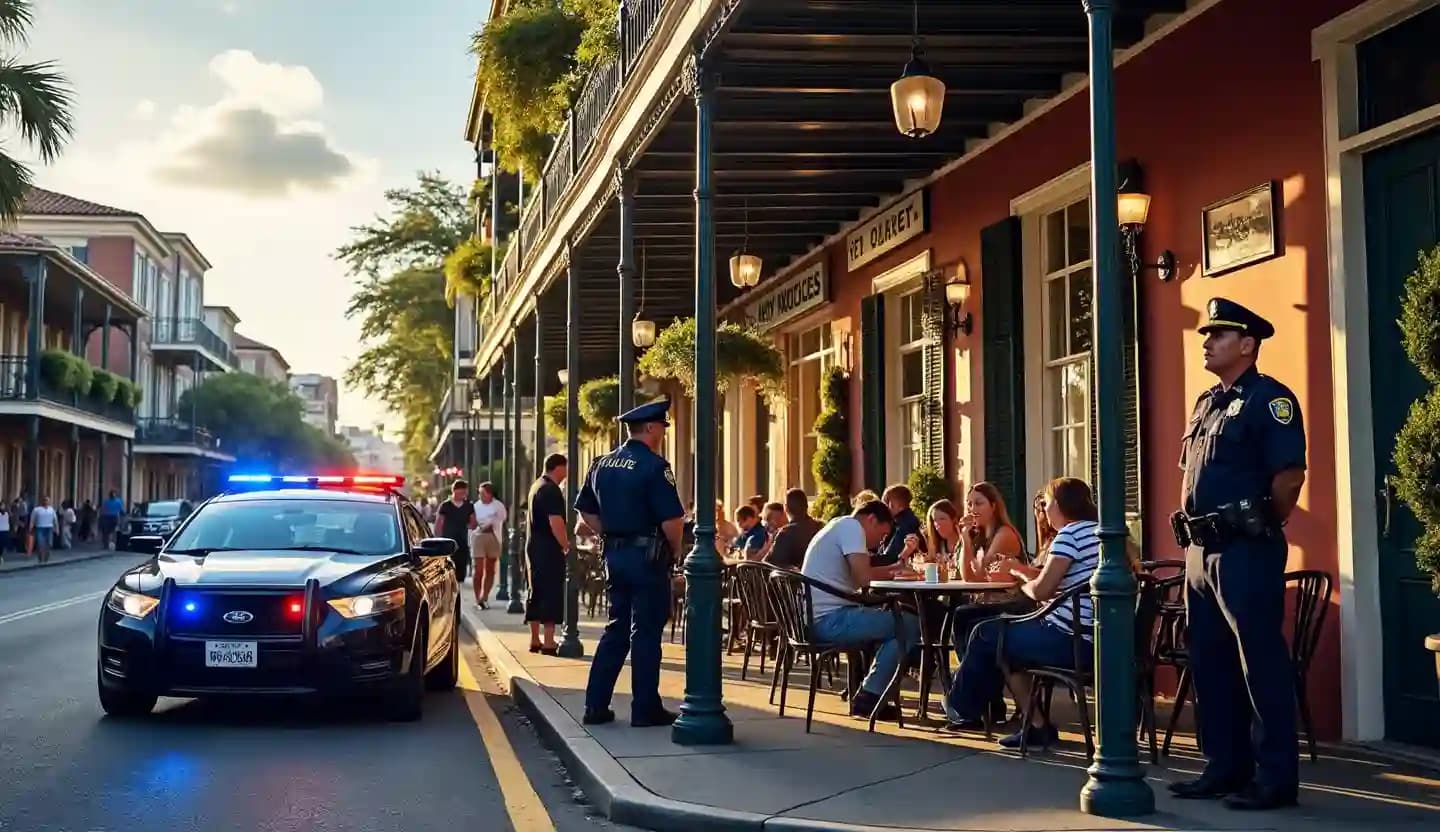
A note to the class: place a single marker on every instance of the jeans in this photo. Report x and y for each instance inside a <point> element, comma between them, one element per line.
<point>858,626</point>
<point>980,680</point>
<point>44,536</point>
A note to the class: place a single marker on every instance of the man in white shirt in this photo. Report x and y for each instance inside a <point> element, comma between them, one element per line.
<point>490,518</point>
<point>839,555</point>
<point>43,521</point>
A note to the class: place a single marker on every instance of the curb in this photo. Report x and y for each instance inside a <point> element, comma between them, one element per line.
<point>26,567</point>
<point>618,795</point>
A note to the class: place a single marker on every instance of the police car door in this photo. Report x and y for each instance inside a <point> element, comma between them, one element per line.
<point>436,579</point>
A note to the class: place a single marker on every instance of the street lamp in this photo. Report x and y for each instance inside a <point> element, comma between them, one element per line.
<point>564,375</point>
<point>918,97</point>
<point>744,266</point>
<point>642,332</point>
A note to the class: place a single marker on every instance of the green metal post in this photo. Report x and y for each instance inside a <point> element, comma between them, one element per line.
<point>502,590</point>
<point>506,560</point>
<point>625,185</point>
<point>512,478</point>
<point>537,453</point>
<point>702,717</point>
<point>570,645</point>
<point>1116,786</point>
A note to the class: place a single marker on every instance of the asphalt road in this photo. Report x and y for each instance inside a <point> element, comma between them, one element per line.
<point>260,767</point>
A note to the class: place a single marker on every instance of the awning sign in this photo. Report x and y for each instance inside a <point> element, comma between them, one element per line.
<point>801,292</point>
<point>905,220</point>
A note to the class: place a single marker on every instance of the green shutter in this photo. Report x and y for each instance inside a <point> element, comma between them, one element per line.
<point>872,389</point>
<point>1003,368</point>
<point>932,320</point>
<point>1129,402</point>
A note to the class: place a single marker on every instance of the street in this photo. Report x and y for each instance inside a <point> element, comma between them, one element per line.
<point>200,765</point>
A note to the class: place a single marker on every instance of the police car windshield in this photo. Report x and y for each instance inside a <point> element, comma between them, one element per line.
<point>316,525</point>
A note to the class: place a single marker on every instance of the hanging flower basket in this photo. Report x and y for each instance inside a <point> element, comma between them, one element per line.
<point>467,271</point>
<point>741,354</point>
<point>555,415</point>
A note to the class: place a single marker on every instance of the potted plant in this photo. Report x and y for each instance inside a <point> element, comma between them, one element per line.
<point>1417,446</point>
<point>831,463</point>
<point>103,386</point>
<point>64,371</point>
<point>741,354</point>
<point>555,415</point>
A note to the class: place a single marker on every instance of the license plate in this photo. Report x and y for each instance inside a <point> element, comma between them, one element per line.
<point>231,654</point>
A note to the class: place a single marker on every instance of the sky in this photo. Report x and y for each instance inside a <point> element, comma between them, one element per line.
<point>264,129</point>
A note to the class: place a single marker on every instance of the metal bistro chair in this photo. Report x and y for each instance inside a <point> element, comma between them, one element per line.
<point>760,623</point>
<point>790,595</point>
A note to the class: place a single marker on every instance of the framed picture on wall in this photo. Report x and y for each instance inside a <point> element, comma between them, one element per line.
<point>1240,230</point>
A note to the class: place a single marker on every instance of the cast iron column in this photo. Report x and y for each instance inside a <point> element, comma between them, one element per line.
<point>1117,786</point>
<point>538,463</point>
<point>702,717</point>
<point>502,589</point>
<point>34,333</point>
<point>512,475</point>
<point>505,441</point>
<point>625,185</point>
<point>570,645</point>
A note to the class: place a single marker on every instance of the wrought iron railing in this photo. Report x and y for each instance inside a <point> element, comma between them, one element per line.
<point>190,332</point>
<point>635,25</point>
<point>155,431</point>
<point>15,386</point>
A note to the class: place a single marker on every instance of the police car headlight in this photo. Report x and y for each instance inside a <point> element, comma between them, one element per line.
<point>132,604</point>
<point>360,606</point>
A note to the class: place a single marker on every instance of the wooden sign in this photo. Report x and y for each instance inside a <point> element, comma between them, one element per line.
<point>803,291</point>
<point>905,220</point>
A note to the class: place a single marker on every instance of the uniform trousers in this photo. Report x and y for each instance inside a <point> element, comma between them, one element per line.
<point>639,594</point>
<point>1243,675</point>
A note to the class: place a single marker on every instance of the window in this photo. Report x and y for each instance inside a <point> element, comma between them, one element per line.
<point>811,354</point>
<point>910,381</point>
<point>1068,329</point>
<point>80,252</point>
<point>137,280</point>
<point>1399,70</point>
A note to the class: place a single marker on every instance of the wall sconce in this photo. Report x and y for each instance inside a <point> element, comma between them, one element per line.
<point>1133,209</point>
<point>564,376</point>
<point>642,332</point>
<point>957,291</point>
<point>845,352</point>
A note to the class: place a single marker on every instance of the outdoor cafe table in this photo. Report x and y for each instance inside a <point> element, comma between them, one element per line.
<point>934,601</point>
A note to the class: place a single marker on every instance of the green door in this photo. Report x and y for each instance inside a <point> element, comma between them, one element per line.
<point>1402,218</point>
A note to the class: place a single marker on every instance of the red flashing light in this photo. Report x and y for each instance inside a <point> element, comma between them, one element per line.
<point>295,607</point>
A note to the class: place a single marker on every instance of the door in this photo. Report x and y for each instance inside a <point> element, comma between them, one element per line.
<point>1402,218</point>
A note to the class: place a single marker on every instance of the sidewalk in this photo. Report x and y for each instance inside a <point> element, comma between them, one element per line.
<point>82,552</point>
<point>839,777</point>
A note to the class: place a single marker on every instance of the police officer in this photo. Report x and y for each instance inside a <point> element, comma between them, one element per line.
<point>1244,461</point>
<point>629,499</point>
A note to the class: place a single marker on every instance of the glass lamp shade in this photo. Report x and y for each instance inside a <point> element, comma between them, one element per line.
<point>919,100</point>
<point>956,292</point>
<point>564,376</point>
<point>1134,209</point>
<point>745,270</point>
<point>642,332</point>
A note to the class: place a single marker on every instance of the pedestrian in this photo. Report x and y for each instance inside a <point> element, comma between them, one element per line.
<point>87,521</point>
<point>455,518</point>
<point>20,519</point>
<point>110,511</point>
<point>545,548</point>
<point>43,520</point>
<point>67,525</point>
<point>490,518</point>
<point>4,529</point>
<point>1243,455</point>
<point>629,498</point>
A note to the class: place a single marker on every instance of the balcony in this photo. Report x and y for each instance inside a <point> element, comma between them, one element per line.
<point>178,336</point>
<point>15,386</point>
<point>176,436</point>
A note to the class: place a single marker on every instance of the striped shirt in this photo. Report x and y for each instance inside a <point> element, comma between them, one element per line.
<point>1080,547</point>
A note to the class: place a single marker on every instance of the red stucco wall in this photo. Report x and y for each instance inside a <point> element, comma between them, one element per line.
<point>114,259</point>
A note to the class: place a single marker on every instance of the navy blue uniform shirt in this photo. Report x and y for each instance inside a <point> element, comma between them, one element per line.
<point>632,489</point>
<point>1238,440</point>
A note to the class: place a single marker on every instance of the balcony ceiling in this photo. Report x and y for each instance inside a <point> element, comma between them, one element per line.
<point>804,139</point>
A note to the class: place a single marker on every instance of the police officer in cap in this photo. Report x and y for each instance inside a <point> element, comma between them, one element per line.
<point>1244,461</point>
<point>629,499</point>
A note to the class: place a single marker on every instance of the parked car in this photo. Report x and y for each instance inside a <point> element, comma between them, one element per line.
<point>156,518</point>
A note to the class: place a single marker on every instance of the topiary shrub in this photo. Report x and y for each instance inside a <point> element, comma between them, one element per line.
<point>1417,446</point>
<point>927,485</point>
<point>103,386</point>
<point>741,354</point>
<point>831,463</point>
<point>828,505</point>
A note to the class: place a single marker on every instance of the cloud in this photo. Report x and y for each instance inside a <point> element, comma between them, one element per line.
<point>259,139</point>
<point>144,110</point>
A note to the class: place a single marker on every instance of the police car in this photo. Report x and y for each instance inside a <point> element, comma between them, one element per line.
<point>286,585</point>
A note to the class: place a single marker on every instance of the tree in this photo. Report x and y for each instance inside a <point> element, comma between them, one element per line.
<point>259,421</point>
<point>34,101</point>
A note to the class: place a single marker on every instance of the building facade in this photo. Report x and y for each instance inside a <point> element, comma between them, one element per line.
<point>373,452</point>
<point>262,360</point>
<point>321,397</point>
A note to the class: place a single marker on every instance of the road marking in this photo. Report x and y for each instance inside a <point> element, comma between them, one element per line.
<point>54,605</point>
<point>527,812</point>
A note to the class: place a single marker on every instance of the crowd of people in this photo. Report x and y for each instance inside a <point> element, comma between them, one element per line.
<point>38,529</point>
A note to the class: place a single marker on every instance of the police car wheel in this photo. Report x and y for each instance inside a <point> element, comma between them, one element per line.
<point>119,702</point>
<point>447,674</point>
<point>407,702</point>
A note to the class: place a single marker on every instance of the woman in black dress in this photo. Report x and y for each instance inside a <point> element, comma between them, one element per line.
<point>545,547</point>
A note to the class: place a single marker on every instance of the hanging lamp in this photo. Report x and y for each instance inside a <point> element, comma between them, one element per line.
<point>744,266</point>
<point>642,330</point>
<point>917,97</point>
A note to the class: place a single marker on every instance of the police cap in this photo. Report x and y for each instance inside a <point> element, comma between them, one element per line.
<point>656,411</point>
<point>1229,315</point>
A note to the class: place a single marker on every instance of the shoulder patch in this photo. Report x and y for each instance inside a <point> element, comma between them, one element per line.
<point>1283,410</point>
<point>669,475</point>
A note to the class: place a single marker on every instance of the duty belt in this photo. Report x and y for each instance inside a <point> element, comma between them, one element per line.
<point>1240,519</point>
<point>638,540</point>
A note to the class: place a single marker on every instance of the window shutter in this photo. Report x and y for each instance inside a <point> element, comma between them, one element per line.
<point>872,389</point>
<point>932,321</point>
<point>1129,398</point>
<point>1003,357</point>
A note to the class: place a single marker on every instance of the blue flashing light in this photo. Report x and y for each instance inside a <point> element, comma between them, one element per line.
<point>251,478</point>
<point>362,480</point>
<point>191,606</point>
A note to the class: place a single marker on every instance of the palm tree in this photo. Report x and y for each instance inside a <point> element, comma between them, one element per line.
<point>35,100</point>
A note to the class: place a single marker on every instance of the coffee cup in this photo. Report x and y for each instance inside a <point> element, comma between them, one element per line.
<point>932,573</point>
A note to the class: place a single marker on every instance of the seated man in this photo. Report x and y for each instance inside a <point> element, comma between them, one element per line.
<point>788,545</point>
<point>839,555</point>
<point>905,523</point>
<point>751,542</point>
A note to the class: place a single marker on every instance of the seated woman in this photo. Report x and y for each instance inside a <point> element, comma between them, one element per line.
<point>1073,556</point>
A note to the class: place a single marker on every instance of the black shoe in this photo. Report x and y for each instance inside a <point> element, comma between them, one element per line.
<point>1038,737</point>
<point>655,720</point>
<point>550,651</point>
<point>1258,798</point>
<point>1205,787</point>
<point>598,716</point>
<point>965,725</point>
<point>864,703</point>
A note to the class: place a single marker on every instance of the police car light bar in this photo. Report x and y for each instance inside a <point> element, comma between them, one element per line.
<point>387,480</point>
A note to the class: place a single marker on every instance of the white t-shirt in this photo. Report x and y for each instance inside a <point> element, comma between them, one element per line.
<point>4,521</point>
<point>825,561</point>
<point>490,516</point>
<point>43,517</point>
